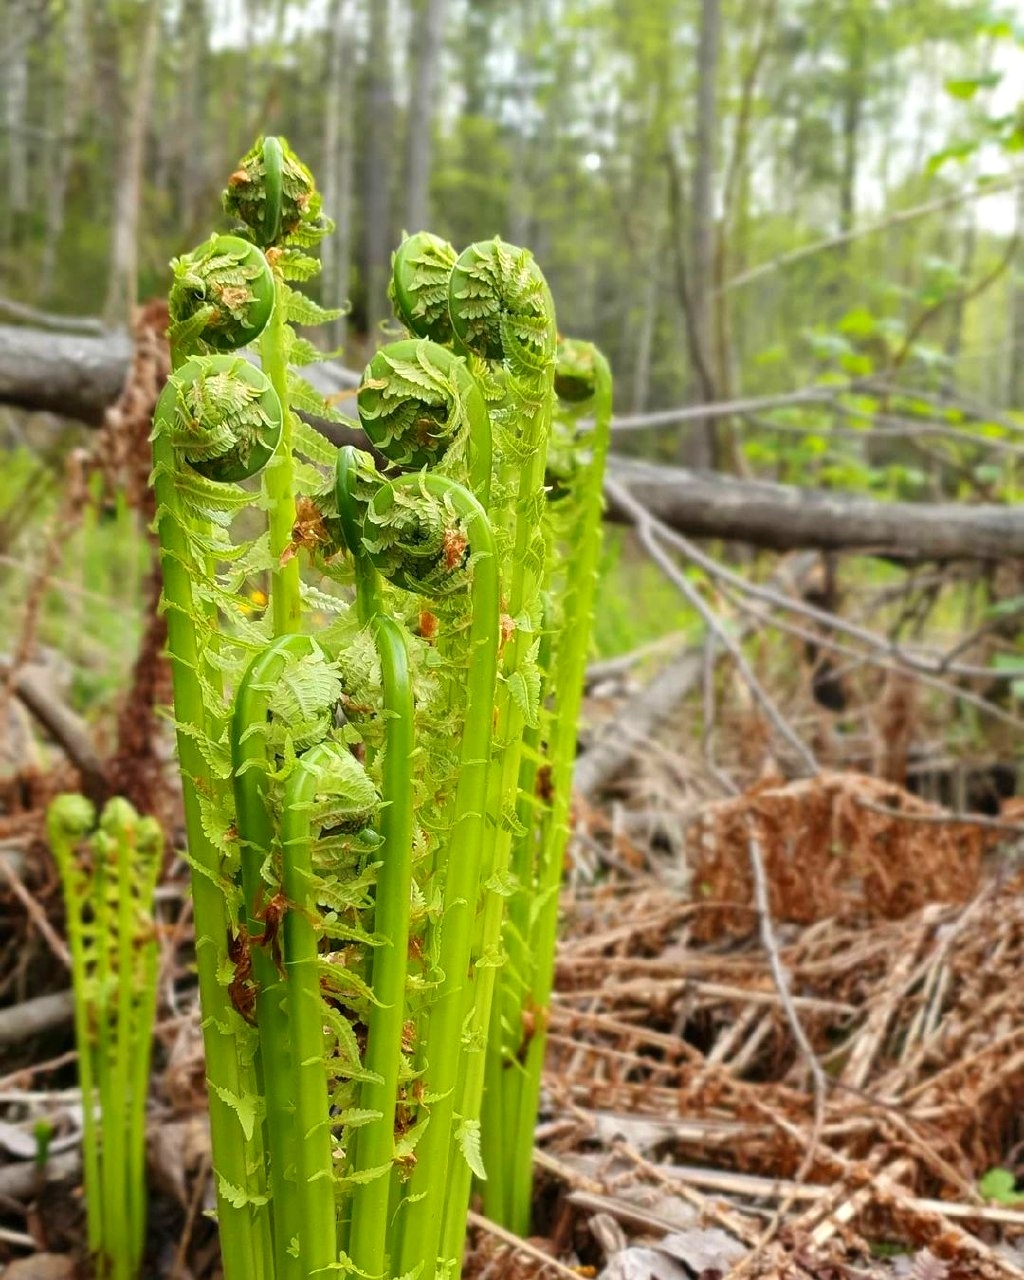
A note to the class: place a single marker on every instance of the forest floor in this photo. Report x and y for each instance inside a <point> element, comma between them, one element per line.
<point>787,1041</point>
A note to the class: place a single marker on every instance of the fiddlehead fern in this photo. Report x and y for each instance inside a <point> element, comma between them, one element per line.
<point>284,707</point>
<point>272,194</point>
<point>223,294</point>
<point>192,513</point>
<point>501,307</point>
<point>227,418</point>
<point>421,407</point>
<point>420,271</point>
<point>109,877</point>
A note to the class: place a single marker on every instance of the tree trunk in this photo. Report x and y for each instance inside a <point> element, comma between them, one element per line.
<point>76,71</point>
<point>191,149</point>
<point>122,285</point>
<point>78,376</point>
<point>648,326</point>
<point>1015,356</point>
<point>426,44</point>
<point>700,444</point>
<point>853,106</point>
<point>955,338</point>
<point>377,169</point>
<point>781,517</point>
<point>339,154</point>
<point>15,65</point>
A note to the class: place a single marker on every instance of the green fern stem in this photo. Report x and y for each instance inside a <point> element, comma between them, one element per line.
<point>425,1192</point>
<point>350,514</point>
<point>116,823</point>
<point>499,1104</point>
<point>316,1234</point>
<point>285,1001</point>
<point>243,1217</point>
<point>69,819</point>
<point>149,848</point>
<point>114,974</point>
<point>375,1141</point>
<point>105,943</point>
<point>279,481</point>
<point>570,670</point>
<point>501,306</point>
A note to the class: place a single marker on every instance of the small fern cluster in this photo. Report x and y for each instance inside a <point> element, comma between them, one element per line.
<point>109,874</point>
<point>376,767</point>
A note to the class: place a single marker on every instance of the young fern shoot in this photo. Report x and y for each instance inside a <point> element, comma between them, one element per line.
<point>371,865</point>
<point>109,874</point>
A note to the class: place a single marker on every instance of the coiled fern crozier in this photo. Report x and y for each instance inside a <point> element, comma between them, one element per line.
<point>377,764</point>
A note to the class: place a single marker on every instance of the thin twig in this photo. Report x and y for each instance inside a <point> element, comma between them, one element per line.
<point>35,912</point>
<point>820,1081</point>
<point>1007,183</point>
<point>644,523</point>
<point>943,819</point>
<point>544,1260</point>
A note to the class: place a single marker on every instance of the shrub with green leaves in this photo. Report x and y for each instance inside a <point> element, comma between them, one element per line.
<point>377,766</point>
<point>109,874</point>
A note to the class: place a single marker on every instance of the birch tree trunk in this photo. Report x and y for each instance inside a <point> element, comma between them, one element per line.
<point>426,44</point>
<point>339,154</point>
<point>122,281</point>
<point>700,444</point>
<point>17,37</point>
<point>193,43</point>
<point>853,109</point>
<point>75,75</point>
<point>377,168</point>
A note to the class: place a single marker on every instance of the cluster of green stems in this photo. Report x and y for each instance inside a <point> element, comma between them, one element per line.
<point>109,874</point>
<point>376,771</point>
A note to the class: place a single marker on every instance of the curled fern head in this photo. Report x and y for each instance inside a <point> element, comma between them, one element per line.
<point>223,294</point>
<point>228,419</point>
<point>420,270</point>
<point>501,306</point>
<point>70,816</point>
<point>575,376</point>
<point>273,194</point>
<point>149,840</point>
<point>301,701</point>
<point>417,540</point>
<point>346,800</point>
<point>417,400</point>
<point>118,818</point>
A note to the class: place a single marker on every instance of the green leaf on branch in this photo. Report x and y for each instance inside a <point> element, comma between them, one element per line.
<point>965,88</point>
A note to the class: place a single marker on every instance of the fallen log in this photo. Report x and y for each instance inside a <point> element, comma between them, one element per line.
<point>780,517</point>
<point>75,375</point>
<point>32,1017</point>
<point>79,375</point>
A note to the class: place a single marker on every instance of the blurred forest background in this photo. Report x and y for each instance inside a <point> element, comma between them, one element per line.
<point>732,197</point>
